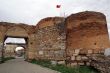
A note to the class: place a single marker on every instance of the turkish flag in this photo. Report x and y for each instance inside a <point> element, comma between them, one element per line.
<point>58,6</point>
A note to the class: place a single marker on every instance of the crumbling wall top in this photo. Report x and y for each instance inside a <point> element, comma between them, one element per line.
<point>74,20</point>
<point>49,21</point>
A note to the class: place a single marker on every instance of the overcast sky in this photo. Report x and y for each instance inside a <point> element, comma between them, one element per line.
<point>15,40</point>
<point>32,11</point>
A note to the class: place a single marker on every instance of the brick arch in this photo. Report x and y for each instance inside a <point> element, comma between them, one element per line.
<point>16,31</point>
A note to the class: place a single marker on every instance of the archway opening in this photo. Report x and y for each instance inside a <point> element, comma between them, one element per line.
<point>20,52</point>
<point>15,47</point>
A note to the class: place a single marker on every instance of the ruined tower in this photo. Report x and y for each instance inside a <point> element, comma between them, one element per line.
<point>86,34</point>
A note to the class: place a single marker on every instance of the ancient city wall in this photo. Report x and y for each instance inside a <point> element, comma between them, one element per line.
<point>73,39</point>
<point>51,40</point>
<point>87,34</point>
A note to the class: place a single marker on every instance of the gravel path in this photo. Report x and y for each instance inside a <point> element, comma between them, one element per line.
<point>20,66</point>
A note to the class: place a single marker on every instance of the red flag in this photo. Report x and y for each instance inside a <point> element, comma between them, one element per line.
<point>58,6</point>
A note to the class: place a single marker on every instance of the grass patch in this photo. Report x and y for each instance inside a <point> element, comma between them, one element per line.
<point>63,68</point>
<point>6,59</point>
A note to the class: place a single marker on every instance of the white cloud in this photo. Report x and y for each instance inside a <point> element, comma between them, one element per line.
<point>27,11</point>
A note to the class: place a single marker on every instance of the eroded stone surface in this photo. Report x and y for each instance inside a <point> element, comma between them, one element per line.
<point>87,34</point>
<point>101,62</point>
<point>51,40</point>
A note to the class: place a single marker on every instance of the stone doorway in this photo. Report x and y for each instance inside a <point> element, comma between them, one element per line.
<point>20,52</point>
<point>12,43</point>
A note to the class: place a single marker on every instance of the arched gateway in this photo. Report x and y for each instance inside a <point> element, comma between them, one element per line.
<point>18,31</point>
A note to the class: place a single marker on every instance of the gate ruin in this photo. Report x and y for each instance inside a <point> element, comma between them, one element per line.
<point>73,39</point>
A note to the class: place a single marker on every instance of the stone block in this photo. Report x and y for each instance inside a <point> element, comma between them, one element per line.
<point>75,54</point>
<point>41,52</point>
<point>72,57</point>
<point>96,51</point>
<point>61,62</point>
<point>77,51</point>
<point>47,55</point>
<point>70,52</point>
<point>102,51</point>
<point>88,55</point>
<point>84,58</point>
<point>53,62</point>
<point>81,63</point>
<point>82,51</point>
<point>88,63</point>
<point>78,58</point>
<point>74,64</point>
<point>90,51</point>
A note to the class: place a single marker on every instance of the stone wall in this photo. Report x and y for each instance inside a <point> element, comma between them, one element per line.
<point>101,63</point>
<point>87,34</point>
<point>73,39</point>
<point>51,42</point>
<point>10,50</point>
<point>49,21</point>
